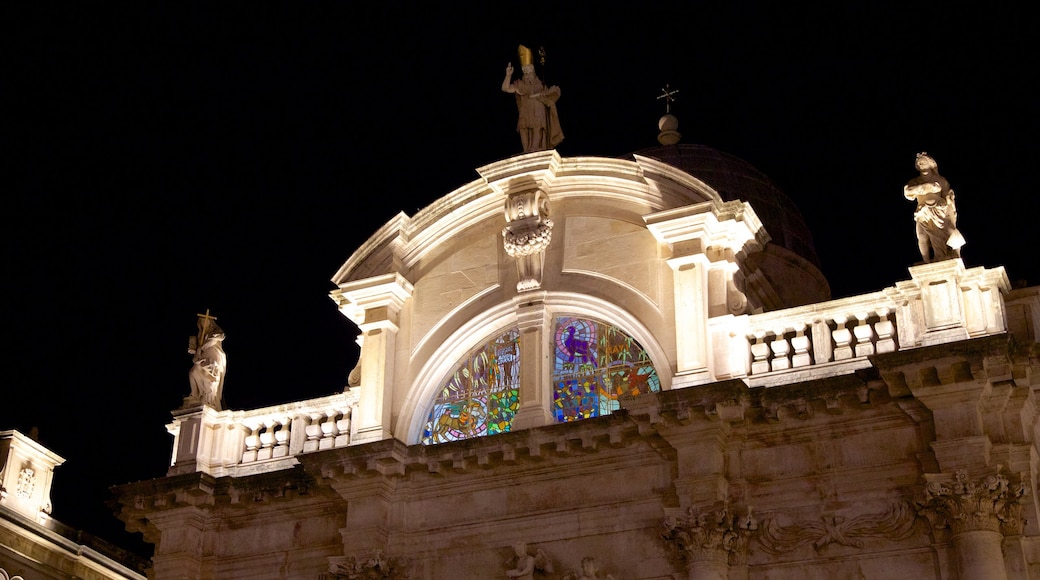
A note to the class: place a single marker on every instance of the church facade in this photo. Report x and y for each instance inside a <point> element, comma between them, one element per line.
<point>595,367</point>
<point>32,544</point>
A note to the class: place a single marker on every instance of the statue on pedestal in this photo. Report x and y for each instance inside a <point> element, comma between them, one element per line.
<point>209,363</point>
<point>538,123</point>
<point>936,215</point>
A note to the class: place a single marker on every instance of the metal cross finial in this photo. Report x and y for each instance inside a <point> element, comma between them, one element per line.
<point>204,319</point>
<point>669,97</point>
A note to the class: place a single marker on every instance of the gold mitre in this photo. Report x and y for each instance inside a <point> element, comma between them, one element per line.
<point>525,54</point>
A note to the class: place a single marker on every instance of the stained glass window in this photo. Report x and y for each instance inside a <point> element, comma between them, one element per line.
<point>594,364</point>
<point>481,396</point>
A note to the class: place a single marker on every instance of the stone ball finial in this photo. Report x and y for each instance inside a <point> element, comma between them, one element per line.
<point>669,134</point>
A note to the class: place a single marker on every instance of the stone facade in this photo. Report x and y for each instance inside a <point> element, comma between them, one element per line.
<point>878,436</point>
<point>32,544</point>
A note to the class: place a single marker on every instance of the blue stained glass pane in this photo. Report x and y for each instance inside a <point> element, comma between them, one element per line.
<point>594,364</point>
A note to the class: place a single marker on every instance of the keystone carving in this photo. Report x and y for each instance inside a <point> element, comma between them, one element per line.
<point>527,234</point>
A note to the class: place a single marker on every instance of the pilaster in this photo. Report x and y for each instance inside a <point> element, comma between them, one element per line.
<point>375,304</point>
<point>707,243</point>
<point>534,319</point>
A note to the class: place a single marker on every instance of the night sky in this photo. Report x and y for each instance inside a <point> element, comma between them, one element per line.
<point>167,158</point>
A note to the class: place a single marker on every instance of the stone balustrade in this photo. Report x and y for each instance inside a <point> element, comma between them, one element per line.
<point>242,442</point>
<point>943,302</point>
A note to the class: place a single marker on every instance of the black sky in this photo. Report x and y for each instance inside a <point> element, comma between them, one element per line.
<point>167,158</point>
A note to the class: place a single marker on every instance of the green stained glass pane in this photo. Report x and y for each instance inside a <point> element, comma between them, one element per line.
<point>481,396</point>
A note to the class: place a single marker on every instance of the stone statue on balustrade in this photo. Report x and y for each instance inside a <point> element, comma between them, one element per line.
<point>537,122</point>
<point>936,214</point>
<point>524,564</point>
<point>209,364</point>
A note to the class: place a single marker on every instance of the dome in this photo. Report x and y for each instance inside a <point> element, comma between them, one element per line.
<point>791,249</point>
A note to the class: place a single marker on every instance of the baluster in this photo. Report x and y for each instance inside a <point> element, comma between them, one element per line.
<point>252,443</point>
<point>313,431</point>
<point>760,354</point>
<point>266,441</point>
<point>800,342</point>
<point>281,437</point>
<point>328,431</point>
<point>864,335</point>
<point>842,339</point>
<point>343,425</point>
<point>781,351</point>
<point>885,331</point>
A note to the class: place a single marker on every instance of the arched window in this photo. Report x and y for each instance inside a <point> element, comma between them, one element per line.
<point>481,396</point>
<point>594,364</point>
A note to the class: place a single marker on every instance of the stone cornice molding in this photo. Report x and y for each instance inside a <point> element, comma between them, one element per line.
<point>392,458</point>
<point>719,230</point>
<point>386,293</point>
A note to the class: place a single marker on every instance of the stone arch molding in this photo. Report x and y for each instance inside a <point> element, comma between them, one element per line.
<point>500,318</point>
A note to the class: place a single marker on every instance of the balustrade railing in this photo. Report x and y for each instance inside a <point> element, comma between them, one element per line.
<point>943,303</point>
<point>820,337</point>
<point>229,441</point>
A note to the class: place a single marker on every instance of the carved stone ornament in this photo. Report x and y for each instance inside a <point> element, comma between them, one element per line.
<point>524,564</point>
<point>374,567</point>
<point>993,504</point>
<point>527,234</point>
<point>589,571</point>
<point>711,534</point>
<point>26,483</point>
<point>528,242</point>
<point>895,523</point>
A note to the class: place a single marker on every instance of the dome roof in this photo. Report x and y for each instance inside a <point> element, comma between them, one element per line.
<point>736,179</point>
<point>790,259</point>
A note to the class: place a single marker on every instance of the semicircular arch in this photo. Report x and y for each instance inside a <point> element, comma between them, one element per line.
<point>459,345</point>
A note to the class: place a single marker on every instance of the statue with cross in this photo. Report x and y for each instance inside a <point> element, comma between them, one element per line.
<point>209,363</point>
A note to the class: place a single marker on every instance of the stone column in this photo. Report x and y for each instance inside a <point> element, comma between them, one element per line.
<point>375,304</point>
<point>713,541</point>
<point>978,515</point>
